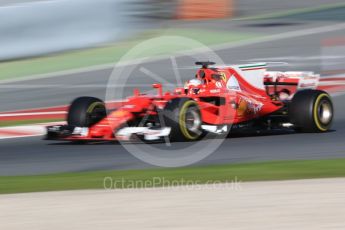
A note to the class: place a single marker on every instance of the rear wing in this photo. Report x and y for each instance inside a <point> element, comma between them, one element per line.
<point>303,80</point>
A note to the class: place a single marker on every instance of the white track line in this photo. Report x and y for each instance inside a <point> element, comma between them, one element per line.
<point>26,130</point>
<point>13,137</point>
<point>32,114</point>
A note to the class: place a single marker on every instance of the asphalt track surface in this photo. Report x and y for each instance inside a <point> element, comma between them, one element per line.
<point>33,156</point>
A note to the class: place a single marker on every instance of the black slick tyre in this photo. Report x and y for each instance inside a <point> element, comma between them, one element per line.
<point>85,112</point>
<point>311,111</point>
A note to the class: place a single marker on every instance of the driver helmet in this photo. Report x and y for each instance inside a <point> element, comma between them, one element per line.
<point>192,82</point>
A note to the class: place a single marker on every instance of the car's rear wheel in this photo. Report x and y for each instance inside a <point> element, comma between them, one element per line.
<point>183,116</point>
<point>311,111</point>
<point>85,112</point>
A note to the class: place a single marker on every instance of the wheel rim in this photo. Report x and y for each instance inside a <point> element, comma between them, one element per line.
<point>193,121</point>
<point>190,121</point>
<point>325,112</point>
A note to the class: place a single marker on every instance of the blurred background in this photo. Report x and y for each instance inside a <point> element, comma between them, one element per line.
<point>37,27</point>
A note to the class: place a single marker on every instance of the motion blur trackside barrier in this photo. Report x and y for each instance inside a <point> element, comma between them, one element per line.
<point>41,27</point>
<point>204,9</point>
<point>333,47</point>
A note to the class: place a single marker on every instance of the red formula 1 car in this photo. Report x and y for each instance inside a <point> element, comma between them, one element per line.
<point>218,100</point>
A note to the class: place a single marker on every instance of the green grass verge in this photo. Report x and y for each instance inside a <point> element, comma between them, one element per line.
<point>282,170</point>
<point>26,122</point>
<point>111,53</point>
<point>287,13</point>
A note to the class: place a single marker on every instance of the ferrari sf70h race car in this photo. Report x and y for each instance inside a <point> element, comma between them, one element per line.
<point>218,100</point>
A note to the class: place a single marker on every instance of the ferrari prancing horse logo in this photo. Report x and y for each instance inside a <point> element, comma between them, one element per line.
<point>223,76</point>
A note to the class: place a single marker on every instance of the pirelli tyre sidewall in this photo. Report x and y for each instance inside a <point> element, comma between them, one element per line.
<point>85,112</point>
<point>183,116</point>
<point>311,111</point>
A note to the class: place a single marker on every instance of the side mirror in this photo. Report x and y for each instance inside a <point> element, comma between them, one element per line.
<point>159,87</point>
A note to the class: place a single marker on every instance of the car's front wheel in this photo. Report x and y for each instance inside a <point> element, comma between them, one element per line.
<point>85,112</point>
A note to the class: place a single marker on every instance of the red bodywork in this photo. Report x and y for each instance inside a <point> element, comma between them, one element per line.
<point>219,104</point>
